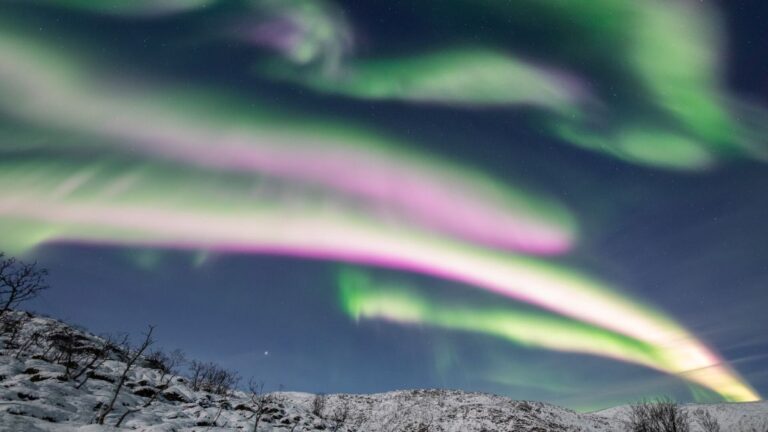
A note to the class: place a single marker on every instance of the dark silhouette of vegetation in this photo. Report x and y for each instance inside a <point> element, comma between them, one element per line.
<point>318,404</point>
<point>98,354</point>
<point>210,377</point>
<point>661,415</point>
<point>168,365</point>
<point>340,415</point>
<point>706,421</point>
<point>19,282</point>
<point>261,402</point>
<point>133,356</point>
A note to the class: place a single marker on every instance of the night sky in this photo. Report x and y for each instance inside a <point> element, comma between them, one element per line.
<point>547,200</point>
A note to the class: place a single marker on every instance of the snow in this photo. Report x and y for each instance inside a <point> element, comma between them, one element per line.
<point>732,417</point>
<point>34,397</point>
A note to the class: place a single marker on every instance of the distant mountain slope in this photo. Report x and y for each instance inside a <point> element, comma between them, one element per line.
<point>36,396</point>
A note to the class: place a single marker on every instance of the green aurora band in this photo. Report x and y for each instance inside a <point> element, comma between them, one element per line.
<point>229,134</point>
<point>138,204</point>
<point>131,7</point>
<point>303,31</point>
<point>363,297</point>
<point>680,118</point>
<point>469,76</point>
<point>679,115</point>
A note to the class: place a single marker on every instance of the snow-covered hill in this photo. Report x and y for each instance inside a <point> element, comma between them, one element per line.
<point>732,417</point>
<point>38,392</point>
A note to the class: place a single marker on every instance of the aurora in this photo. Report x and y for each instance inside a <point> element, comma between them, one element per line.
<point>363,298</point>
<point>347,160</point>
<point>118,202</point>
<point>302,31</point>
<point>683,120</point>
<point>468,77</point>
<point>570,189</point>
<point>133,7</point>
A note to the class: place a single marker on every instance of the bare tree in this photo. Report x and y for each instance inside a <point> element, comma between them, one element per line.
<point>19,282</point>
<point>212,378</point>
<point>47,330</point>
<point>169,370</point>
<point>98,355</point>
<point>640,418</point>
<point>261,402</point>
<point>406,417</point>
<point>318,404</point>
<point>706,421</point>
<point>197,373</point>
<point>662,415</point>
<point>167,364</point>
<point>12,326</point>
<point>393,423</point>
<point>340,415</point>
<point>744,427</point>
<point>65,344</point>
<point>425,424</point>
<point>132,357</point>
<point>34,338</point>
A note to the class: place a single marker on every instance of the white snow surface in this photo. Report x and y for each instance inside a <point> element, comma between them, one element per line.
<point>33,398</point>
<point>732,417</point>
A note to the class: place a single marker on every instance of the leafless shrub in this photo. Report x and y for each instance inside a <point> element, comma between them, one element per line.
<point>65,345</point>
<point>166,363</point>
<point>33,339</point>
<point>706,421</point>
<point>95,356</point>
<point>662,415</point>
<point>318,404</point>
<point>168,366</point>
<point>404,419</point>
<point>19,282</point>
<point>212,378</point>
<point>743,427</point>
<point>261,402</point>
<point>133,356</point>
<point>425,424</point>
<point>11,327</point>
<point>394,422</point>
<point>170,369</point>
<point>340,415</point>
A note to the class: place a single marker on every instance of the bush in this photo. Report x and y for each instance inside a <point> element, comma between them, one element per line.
<point>662,415</point>
<point>212,378</point>
<point>318,405</point>
<point>706,421</point>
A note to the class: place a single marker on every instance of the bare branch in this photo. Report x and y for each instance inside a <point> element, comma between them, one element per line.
<point>261,402</point>
<point>706,421</point>
<point>130,361</point>
<point>19,282</point>
<point>662,415</point>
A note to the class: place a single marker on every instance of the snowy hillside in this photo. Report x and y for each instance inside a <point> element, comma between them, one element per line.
<point>732,417</point>
<point>42,388</point>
